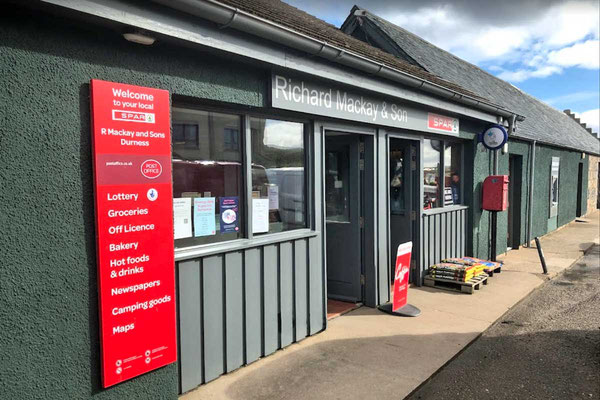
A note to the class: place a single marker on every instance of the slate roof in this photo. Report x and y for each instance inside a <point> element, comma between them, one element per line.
<point>297,20</point>
<point>542,122</point>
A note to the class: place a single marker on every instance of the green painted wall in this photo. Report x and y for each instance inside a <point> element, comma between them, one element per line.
<point>48,318</point>
<point>483,166</point>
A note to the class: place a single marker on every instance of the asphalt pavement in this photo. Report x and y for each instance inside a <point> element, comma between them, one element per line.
<point>545,347</point>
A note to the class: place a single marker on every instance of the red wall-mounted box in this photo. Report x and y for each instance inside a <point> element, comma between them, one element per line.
<point>495,193</point>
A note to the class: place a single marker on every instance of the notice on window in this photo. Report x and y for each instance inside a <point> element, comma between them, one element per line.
<point>204,216</point>
<point>260,215</point>
<point>182,217</point>
<point>273,197</point>
<point>131,143</point>
<point>229,207</point>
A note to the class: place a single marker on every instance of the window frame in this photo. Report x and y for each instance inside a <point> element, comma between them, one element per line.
<point>442,172</point>
<point>248,239</point>
<point>308,207</point>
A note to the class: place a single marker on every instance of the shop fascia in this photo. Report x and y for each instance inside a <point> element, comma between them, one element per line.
<point>310,97</point>
<point>340,100</point>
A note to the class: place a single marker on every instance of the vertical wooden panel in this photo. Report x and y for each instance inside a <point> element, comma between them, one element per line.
<point>190,314</point>
<point>454,234</point>
<point>315,286</point>
<point>442,244</point>
<point>212,288</point>
<point>463,233</point>
<point>431,244</point>
<point>423,244</point>
<point>270,301</point>
<point>253,305</point>
<point>441,237</point>
<point>286,292</point>
<point>459,235</point>
<point>300,281</point>
<point>234,327</point>
<point>450,232</point>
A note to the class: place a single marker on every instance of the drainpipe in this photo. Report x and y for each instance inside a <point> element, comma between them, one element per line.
<point>531,182</point>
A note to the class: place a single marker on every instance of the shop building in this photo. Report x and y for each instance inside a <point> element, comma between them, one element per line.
<point>334,152</point>
<point>535,208</point>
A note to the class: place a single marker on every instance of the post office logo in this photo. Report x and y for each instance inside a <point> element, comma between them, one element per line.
<point>151,169</point>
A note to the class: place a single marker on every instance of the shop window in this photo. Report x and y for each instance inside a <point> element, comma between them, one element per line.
<point>442,189</point>
<point>554,172</point>
<point>431,174</point>
<point>452,172</point>
<point>208,198</point>
<point>278,178</point>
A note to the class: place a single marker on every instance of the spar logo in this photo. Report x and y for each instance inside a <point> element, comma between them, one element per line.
<point>442,123</point>
<point>133,116</point>
<point>151,169</point>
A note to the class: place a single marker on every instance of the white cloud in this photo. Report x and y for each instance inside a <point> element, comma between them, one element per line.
<point>562,35</point>
<point>521,75</point>
<point>591,118</point>
<point>572,97</point>
<point>584,55</point>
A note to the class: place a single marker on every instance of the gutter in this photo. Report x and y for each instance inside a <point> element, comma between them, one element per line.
<point>230,17</point>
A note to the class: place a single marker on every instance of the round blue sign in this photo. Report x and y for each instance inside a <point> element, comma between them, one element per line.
<point>494,137</point>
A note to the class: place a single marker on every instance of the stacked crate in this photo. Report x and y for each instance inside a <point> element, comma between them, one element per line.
<point>456,272</point>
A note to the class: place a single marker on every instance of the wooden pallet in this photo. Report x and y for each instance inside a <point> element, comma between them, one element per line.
<point>464,287</point>
<point>491,271</point>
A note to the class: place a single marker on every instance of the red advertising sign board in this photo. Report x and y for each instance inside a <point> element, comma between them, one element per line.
<point>131,142</point>
<point>442,123</point>
<point>401,276</point>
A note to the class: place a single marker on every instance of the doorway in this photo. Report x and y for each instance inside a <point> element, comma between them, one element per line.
<point>579,190</point>
<point>344,215</point>
<point>515,174</point>
<point>403,192</point>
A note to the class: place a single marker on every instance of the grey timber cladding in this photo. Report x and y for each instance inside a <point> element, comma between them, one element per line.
<point>444,235</point>
<point>542,122</point>
<point>237,307</point>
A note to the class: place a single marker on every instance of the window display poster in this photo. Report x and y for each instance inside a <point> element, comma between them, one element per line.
<point>273,197</point>
<point>182,217</point>
<point>260,215</point>
<point>229,210</point>
<point>204,216</point>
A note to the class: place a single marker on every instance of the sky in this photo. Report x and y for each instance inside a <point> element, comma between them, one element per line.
<point>547,48</point>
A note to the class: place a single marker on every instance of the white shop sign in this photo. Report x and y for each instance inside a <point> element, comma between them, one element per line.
<point>308,97</point>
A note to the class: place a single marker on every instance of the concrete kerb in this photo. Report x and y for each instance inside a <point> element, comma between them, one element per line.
<point>548,277</point>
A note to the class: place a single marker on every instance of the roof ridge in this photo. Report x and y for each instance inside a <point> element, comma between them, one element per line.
<point>384,21</point>
<point>347,42</point>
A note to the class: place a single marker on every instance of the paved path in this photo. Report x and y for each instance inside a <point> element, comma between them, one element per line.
<point>366,354</point>
<point>546,347</point>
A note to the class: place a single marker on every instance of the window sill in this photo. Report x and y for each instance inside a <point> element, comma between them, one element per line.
<point>241,244</point>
